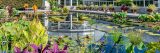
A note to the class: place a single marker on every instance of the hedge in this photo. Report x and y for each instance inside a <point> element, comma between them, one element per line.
<point>19,3</point>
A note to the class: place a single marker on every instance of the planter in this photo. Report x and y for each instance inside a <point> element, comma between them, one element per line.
<point>149,11</point>
<point>111,9</point>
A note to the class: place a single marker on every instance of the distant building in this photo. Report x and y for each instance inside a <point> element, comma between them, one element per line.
<point>142,3</point>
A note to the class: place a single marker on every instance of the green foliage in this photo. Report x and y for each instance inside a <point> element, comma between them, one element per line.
<point>15,12</point>
<point>135,37</point>
<point>143,17</point>
<point>22,33</point>
<point>116,35</point>
<point>96,7</point>
<point>111,6</point>
<point>157,17</point>
<point>156,28</point>
<point>91,7</point>
<point>19,3</point>
<point>150,18</point>
<point>80,7</point>
<point>91,21</point>
<point>65,10</point>
<point>125,1</point>
<point>120,18</point>
<point>104,6</point>
<point>134,7</point>
<point>151,7</point>
<point>152,46</point>
<point>54,5</point>
<point>3,13</point>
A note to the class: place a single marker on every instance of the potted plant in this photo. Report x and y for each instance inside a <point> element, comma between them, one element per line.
<point>111,8</point>
<point>151,8</point>
<point>104,7</point>
<point>92,7</point>
<point>124,8</point>
<point>134,8</point>
<point>65,10</point>
<point>96,7</point>
<point>84,7</point>
<point>80,7</point>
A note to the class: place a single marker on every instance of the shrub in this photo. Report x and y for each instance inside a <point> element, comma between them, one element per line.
<point>20,3</point>
<point>149,18</point>
<point>120,18</point>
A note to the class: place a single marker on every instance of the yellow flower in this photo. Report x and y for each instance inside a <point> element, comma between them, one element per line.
<point>26,5</point>
<point>35,8</point>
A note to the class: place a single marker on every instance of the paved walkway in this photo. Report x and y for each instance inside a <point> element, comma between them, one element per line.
<point>31,11</point>
<point>102,12</point>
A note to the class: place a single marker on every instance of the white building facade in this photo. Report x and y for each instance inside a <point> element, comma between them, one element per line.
<point>142,3</point>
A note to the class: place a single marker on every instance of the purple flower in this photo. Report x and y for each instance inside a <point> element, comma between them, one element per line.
<point>55,48</point>
<point>35,48</point>
<point>17,50</point>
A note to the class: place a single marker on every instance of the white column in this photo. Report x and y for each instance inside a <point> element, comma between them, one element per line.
<point>64,2</point>
<point>70,2</point>
<point>77,2</point>
<point>59,2</point>
<point>46,20</point>
<point>99,3</point>
<point>59,25</point>
<point>83,2</point>
<point>144,3</point>
<point>71,24</point>
<point>113,3</point>
<point>158,3</point>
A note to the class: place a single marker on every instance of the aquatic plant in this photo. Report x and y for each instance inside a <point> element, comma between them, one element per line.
<point>152,47</point>
<point>149,18</point>
<point>135,38</point>
<point>120,18</point>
